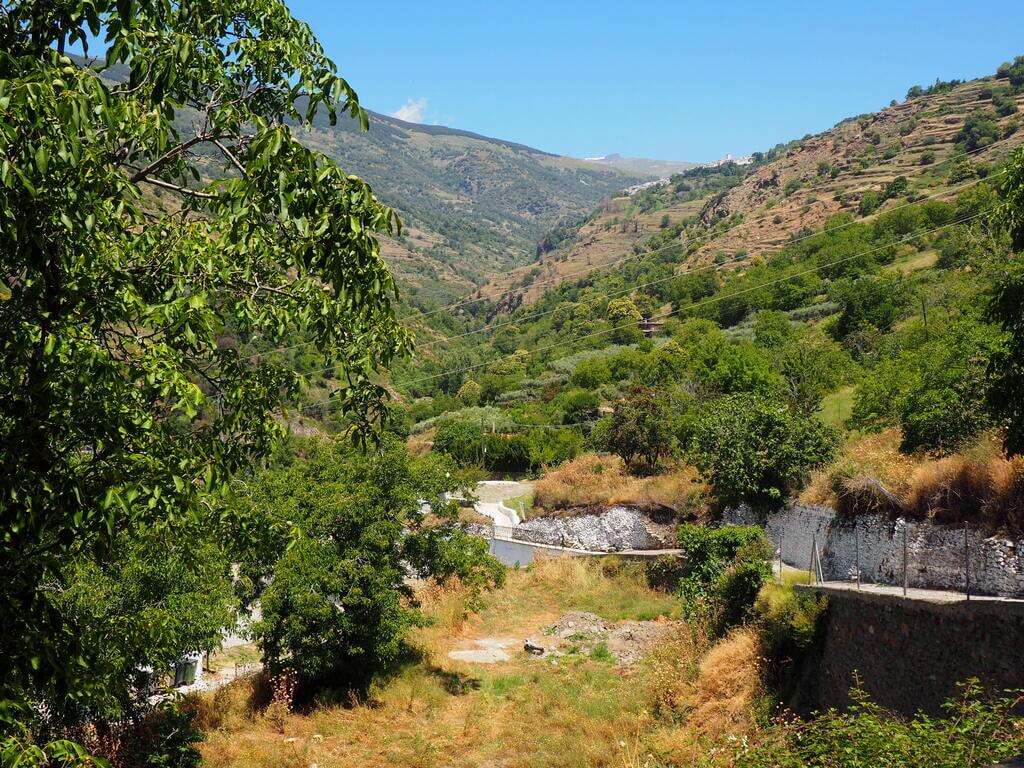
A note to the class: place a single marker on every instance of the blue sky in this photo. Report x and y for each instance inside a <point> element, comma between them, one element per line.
<point>670,80</point>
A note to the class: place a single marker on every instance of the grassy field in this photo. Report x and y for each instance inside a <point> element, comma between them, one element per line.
<point>526,712</point>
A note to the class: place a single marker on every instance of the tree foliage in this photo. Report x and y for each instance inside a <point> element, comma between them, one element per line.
<point>142,218</point>
<point>337,531</point>
<point>755,449</point>
<point>1007,309</point>
<point>639,430</point>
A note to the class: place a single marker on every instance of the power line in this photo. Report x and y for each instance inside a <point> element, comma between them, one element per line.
<point>709,300</point>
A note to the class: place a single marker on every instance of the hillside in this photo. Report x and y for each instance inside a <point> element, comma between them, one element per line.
<point>793,188</point>
<point>643,166</point>
<point>473,206</point>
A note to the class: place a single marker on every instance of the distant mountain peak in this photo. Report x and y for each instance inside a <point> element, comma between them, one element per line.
<point>642,165</point>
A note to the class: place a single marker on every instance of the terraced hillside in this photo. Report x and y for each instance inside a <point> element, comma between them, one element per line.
<point>794,188</point>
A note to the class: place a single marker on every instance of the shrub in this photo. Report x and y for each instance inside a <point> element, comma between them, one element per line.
<point>757,450</point>
<point>578,406</point>
<point>976,732</point>
<point>334,536</point>
<point>469,393</point>
<point>639,430</point>
<point>979,130</point>
<point>723,570</point>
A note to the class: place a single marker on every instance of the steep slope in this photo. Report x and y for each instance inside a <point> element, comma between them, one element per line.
<point>793,188</point>
<point>643,166</point>
<point>474,206</point>
<point>836,170</point>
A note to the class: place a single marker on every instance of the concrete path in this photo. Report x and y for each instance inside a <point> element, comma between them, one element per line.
<point>922,595</point>
<point>493,493</point>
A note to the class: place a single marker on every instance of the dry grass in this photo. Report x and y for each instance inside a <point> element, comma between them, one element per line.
<point>677,708</point>
<point>977,486</point>
<point>434,711</point>
<point>712,692</point>
<point>592,480</point>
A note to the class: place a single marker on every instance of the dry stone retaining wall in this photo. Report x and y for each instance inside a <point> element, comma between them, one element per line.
<point>935,554</point>
<point>614,530</point>
<point>911,654</point>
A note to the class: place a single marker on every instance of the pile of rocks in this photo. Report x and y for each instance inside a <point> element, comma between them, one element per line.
<point>578,632</point>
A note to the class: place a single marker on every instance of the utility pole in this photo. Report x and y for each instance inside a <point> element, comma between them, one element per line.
<point>810,564</point>
<point>924,315</point>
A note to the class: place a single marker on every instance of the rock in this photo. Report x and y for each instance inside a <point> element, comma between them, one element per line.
<point>578,632</point>
<point>614,530</point>
<point>533,646</point>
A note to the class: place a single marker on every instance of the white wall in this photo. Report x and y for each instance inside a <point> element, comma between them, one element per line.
<point>935,554</point>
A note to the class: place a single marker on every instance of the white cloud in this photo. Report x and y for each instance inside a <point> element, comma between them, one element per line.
<point>412,111</point>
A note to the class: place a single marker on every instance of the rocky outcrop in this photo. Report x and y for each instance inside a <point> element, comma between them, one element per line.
<point>938,557</point>
<point>613,530</point>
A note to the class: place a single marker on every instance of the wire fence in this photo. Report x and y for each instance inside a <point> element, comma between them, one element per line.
<point>911,556</point>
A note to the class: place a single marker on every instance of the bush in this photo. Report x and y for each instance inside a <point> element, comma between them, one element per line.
<point>979,130</point>
<point>757,450</point>
<point>334,536</point>
<point>578,406</point>
<point>639,430</point>
<point>976,732</point>
<point>870,302</point>
<point>722,571</point>
<point>788,621</point>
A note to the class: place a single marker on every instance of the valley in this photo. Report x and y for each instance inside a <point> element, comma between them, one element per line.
<point>337,439</point>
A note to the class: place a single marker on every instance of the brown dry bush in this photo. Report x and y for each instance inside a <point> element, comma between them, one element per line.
<point>958,489</point>
<point>977,486</point>
<point>230,706</point>
<point>714,697</point>
<point>593,480</point>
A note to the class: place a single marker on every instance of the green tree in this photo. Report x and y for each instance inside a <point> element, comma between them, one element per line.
<point>756,450</point>
<point>936,392</point>
<point>980,129</point>
<point>772,329</point>
<point>578,406</point>
<point>1006,308</point>
<point>871,302</point>
<point>639,430</point>
<point>469,393</point>
<point>339,529</point>
<point>165,593</point>
<point>120,409</point>
<point>624,317</point>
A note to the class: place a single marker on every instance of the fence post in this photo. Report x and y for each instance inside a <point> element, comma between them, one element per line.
<point>967,564</point>
<point>856,541</point>
<point>781,539</point>
<point>904,558</point>
<point>810,563</point>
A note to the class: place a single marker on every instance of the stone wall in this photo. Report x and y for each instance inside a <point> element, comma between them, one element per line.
<point>936,554</point>
<point>613,530</point>
<point>909,654</point>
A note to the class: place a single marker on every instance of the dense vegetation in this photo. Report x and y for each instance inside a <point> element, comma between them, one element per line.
<point>128,405</point>
<point>179,269</point>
